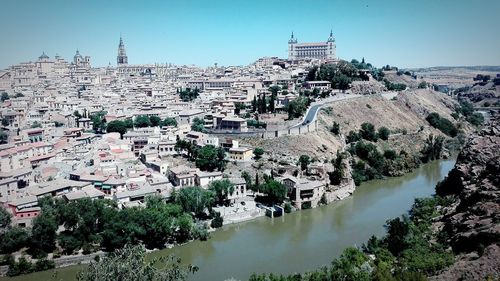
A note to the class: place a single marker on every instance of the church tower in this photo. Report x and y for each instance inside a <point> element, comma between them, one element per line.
<point>291,47</point>
<point>122,55</point>
<point>332,47</point>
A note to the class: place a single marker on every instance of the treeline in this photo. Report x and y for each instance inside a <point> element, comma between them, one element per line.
<point>93,225</point>
<point>409,251</point>
<point>374,164</point>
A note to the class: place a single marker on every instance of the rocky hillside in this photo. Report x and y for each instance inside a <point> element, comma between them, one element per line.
<point>472,223</point>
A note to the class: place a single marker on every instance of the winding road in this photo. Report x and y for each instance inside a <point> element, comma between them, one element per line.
<point>312,111</point>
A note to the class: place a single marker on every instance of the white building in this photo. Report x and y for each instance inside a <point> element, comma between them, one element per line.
<point>320,50</point>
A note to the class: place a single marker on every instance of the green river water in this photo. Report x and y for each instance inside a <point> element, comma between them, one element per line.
<point>299,241</point>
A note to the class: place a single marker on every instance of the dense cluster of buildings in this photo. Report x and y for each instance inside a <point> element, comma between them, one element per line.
<point>50,146</point>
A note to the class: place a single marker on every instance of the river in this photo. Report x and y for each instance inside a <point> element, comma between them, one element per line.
<point>299,241</point>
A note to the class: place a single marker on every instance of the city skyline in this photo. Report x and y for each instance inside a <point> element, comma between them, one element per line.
<point>196,32</point>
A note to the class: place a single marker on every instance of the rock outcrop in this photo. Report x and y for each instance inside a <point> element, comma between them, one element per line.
<point>472,223</point>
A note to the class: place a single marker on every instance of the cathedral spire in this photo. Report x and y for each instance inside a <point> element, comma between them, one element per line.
<point>122,55</point>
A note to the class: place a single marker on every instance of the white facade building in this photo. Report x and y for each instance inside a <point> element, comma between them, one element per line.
<point>321,50</point>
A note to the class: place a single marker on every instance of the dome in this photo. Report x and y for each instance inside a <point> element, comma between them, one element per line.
<point>43,56</point>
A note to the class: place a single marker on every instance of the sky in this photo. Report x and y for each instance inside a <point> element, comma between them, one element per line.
<point>402,33</point>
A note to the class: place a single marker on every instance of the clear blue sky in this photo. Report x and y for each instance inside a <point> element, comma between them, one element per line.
<point>231,32</point>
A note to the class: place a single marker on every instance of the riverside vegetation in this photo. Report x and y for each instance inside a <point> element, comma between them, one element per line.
<point>439,231</point>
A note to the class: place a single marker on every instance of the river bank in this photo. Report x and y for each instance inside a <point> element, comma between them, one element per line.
<point>299,241</point>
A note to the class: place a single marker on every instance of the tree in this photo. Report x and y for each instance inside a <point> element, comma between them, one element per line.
<point>383,133</point>
<point>36,124</point>
<point>258,152</point>
<point>117,126</point>
<point>349,266</point>
<point>422,85</point>
<point>335,128</point>
<point>129,264</point>
<point>155,120</point>
<point>14,239</point>
<point>432,148</point>
<point>194,199</point>
<point>210,158</point>
<point>5,122</point>
<point>352,137</point>
<point>275,191</point>
<point>367,132</point>
<point>221,189</point>
<point>77,114</point>
<point>304,161</point>
<point>342,82</point>
<point>248,179</point>
<point>98,121</point>
<point>3,137</point>
<point>4,97</point>
<point>217,221</point>
<point>5,218</point>
<point>43,233</point>
<point>142,121</point>
<point>169,121</point>
<point>198,125</point>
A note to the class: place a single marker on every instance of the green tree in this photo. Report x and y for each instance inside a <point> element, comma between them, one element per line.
<point>275,191</point>
<point>5,218</point>
<point>169,121</point>
<point>98,121</point>
<point>36,124</point>
<point>4,97</point>
<point>367,132</point>
<point>43,233</point>
<point>5,122</point>
<point>383,133</point>
<point>129,264</point>
<point>217,221</point>
<point>142,121</point>
<point>194,199</point>
<point>304,161</point>
<point>258,152</point>
<point>198,125</point>
<point>117,126</point>
<point>352,137</point>
<point>155,120</point>
<point>221,189</point>
<point>14,239</point>
<point>432,148</point>
<point>335,128</point>
<point>3,137</point>
<point>211,158</point>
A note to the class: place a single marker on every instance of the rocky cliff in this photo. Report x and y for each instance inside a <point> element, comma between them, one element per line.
<point>472,223</point>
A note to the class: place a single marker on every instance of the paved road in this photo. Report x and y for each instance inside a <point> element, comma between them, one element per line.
<point>312,111</point>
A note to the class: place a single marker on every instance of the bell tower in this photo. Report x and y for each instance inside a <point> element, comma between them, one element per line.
<point>122,55</point>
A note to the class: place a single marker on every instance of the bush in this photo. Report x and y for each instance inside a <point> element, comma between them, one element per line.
<point>335,128</point>
<point>217,221</point>
<point>383,133</point>
<point>367,132</point>
<point>258,152</point>
<point>390,154</point>
<point>352,137</point>
<point>442,124</point>
<point>44,264</point>
<point>288,207</point>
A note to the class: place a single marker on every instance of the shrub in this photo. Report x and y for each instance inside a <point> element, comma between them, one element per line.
<point>390,154</point>
<point>335,128</point>
<point>442,124</point>
<point>217,221</point>
<point>352,137</point>
<point>383,133</point>
<point>367,132</point>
